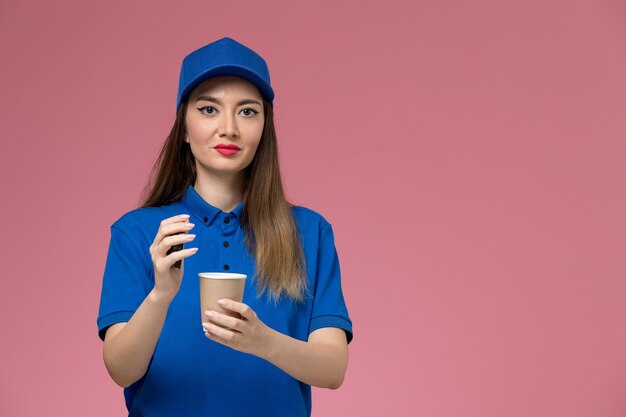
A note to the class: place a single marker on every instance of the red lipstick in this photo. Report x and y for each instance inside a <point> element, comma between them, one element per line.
<point>227,149</point>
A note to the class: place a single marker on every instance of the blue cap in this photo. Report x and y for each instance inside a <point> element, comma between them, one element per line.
<point>223,57</point>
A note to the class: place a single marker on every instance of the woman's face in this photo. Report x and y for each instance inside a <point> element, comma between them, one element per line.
<point>224,110</point>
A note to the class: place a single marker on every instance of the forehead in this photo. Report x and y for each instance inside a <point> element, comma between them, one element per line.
<point>226,84</point>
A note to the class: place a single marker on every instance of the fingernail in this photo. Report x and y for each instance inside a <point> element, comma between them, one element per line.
<point>208,313</point>
<point>184,216</point>
<point>221,302</point>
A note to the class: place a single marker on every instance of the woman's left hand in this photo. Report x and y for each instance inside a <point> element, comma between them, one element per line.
<point>249,335</point>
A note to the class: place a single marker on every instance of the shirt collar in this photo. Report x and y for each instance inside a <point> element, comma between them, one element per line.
<point>203,210</point>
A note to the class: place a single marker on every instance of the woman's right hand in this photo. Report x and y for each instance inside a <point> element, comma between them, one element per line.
<point>167,279</point>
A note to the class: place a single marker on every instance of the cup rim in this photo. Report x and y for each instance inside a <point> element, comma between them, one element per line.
<point>221,275</point>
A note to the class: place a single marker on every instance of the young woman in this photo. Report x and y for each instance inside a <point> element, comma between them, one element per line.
<point>216,188</point>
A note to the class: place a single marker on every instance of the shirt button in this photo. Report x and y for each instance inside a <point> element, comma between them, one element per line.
<point>226,267</point>
<point>205,219</point>
<point>225,244</point>
<point>227,220</point>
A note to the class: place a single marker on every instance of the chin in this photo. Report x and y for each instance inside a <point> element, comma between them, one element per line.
<point>225,169</point>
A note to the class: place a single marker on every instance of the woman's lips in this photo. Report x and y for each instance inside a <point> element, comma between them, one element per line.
<point>226,151</point>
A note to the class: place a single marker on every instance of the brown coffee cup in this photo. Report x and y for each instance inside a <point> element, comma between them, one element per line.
<point>216,285</point>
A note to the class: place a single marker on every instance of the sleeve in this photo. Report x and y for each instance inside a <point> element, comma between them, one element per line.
<point>329,307</point>
<point>128,278</point>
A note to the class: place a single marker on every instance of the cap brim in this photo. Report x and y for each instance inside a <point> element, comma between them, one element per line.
<point>235,70</point>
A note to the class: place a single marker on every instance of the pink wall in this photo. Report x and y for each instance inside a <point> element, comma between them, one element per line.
<point>470,156</point>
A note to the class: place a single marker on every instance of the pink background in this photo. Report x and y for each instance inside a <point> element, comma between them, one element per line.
<point>470,156</point>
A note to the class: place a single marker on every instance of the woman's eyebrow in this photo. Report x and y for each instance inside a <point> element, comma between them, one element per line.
<point>215,100</point>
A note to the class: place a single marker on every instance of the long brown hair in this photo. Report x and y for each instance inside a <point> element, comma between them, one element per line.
<point>267,221</point>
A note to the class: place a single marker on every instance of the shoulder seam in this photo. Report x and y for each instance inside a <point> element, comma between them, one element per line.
<point>148,260</point>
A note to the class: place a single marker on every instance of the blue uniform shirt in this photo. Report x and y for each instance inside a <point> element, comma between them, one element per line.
<point>190,375</point>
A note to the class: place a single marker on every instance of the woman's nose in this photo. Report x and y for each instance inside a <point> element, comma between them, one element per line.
<point>228,125</point>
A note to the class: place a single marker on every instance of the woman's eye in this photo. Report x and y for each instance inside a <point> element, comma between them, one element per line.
<point>249,112</point>
<point>207,107</point>
<point>210,110</point>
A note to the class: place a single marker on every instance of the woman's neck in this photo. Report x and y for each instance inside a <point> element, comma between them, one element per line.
<point>223,192</point>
